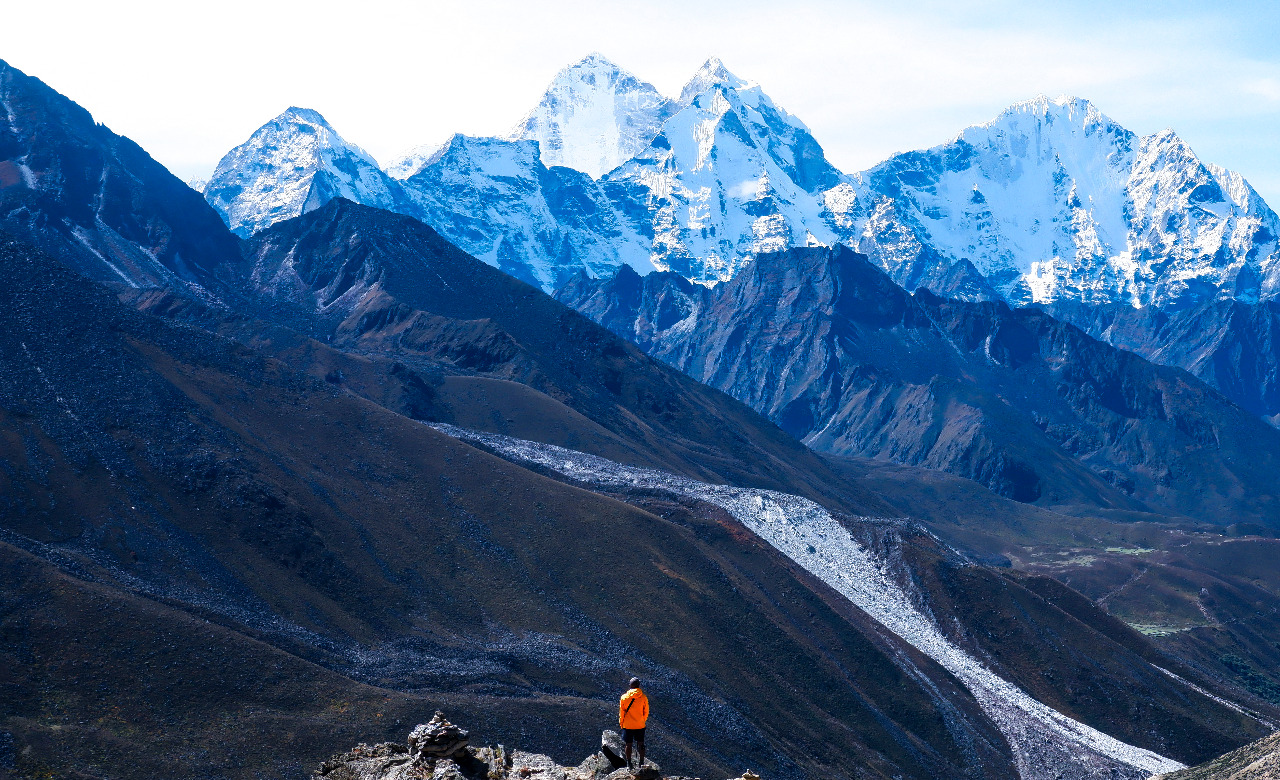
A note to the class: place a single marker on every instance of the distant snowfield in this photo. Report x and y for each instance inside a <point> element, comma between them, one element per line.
<point>1047,745</point>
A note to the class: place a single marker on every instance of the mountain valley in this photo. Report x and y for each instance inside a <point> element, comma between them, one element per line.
<point>782,444</point>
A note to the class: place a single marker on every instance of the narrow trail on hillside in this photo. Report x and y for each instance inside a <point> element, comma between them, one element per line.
<point>1046,744</point>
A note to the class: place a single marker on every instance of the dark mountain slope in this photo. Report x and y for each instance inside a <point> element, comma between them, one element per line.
<point>164,463</point>
<point>99,682</point>
<point>1231,346</point>
<point>382,285</point>
<point>97,201</point>
<point>828,347</point>
<point>640,309</point>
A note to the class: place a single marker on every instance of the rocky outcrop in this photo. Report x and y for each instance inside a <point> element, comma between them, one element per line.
<point>439,750</point>
<point>1256,761</point>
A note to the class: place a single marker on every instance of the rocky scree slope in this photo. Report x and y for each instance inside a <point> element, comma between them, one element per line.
<point>1256,761</point>
<point>98,202</point>
<point>879,571</point>
<point>826,345</point>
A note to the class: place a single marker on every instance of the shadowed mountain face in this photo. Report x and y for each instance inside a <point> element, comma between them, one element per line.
<point>165,471</point>
<point>1230,345</point>
<point>828,347</point>
<point>169,474</point>
<point>98,202</point>
<point>638,308</point>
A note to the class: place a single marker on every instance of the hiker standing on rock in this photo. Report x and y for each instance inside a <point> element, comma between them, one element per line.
<point>633,713</point>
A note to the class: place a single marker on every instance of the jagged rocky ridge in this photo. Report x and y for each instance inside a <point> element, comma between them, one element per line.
<point>826,345</point>
<point>1050,201</point>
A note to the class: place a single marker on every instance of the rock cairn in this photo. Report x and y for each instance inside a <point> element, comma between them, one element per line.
<point>437,739</point>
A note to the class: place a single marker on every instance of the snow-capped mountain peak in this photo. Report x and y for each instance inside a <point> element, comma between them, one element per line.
<point>730,175</point>
<point>1049,125</point>
<point>495,199</point>
<point>293,164</point>
<point>1054,200</point>
<point>712,75</point>
<point>593,117</point>
<point>306,115</point>
<point>1049,200</point>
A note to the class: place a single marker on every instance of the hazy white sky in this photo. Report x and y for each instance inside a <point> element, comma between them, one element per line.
<point>190,80</point>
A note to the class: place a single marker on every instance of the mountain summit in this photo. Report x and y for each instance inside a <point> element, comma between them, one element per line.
<point>291,165</point>
<point>712,74</point>
<point>593,117</point>
<point>1052,200</point>
<point>731,174</point>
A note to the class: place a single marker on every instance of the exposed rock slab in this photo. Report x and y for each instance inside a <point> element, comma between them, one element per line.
<point>438,750</point>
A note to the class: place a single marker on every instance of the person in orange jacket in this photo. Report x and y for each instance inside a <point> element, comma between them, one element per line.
<point>633,713</point>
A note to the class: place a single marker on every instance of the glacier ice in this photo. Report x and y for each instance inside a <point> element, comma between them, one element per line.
<point>1046,744</point>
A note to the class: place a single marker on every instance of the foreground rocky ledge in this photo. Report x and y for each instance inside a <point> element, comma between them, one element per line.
<point>1256,761</point>
<point>438,750</point>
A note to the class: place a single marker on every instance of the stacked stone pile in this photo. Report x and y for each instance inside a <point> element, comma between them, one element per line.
<point>437,739</point>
